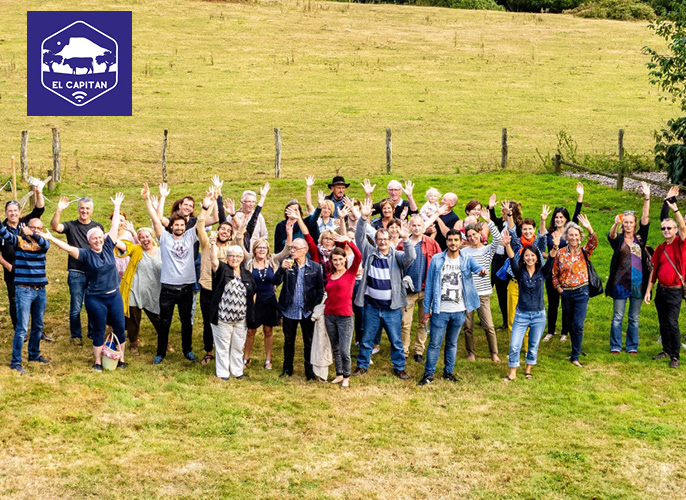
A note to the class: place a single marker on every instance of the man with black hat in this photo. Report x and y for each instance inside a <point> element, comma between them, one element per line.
<point>337,187</point>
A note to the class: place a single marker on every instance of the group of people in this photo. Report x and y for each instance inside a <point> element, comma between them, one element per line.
<point>348,269</point>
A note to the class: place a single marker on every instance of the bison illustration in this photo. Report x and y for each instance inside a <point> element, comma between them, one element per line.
<point>79,62</point>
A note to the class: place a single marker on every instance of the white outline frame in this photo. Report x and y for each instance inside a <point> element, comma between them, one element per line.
<point>116,46</point>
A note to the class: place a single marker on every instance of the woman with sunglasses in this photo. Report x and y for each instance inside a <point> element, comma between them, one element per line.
<point>629,273</point>
<point>558,221</point>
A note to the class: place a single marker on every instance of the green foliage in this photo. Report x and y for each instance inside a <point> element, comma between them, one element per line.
<point>668,72</point>
<point>619,10</point>
<point>554,6</point>
<point>461,4</point>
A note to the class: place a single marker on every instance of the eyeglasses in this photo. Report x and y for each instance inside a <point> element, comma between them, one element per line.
<point>262,248</point>
<point>666,228</point>
<point>629,212</point>
<point>36,228</point>
<point>234,256</point>
<point>382,239</point>
<point>296,249</point>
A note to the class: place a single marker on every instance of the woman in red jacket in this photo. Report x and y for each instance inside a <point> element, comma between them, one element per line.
<point>338,310</point>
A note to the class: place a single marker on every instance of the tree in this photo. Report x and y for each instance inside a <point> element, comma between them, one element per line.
<point>50,58</point>
<point>668,72</point>
<point>107,58</point>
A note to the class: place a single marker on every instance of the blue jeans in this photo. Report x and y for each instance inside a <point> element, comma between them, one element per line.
<point>106,309</point>
<point>523,320</point>
<point>619,306</point>
<point>440,324</point>
<point>30,305</point>
<point>77,290</point>
<point>575,303</point>
<point>374,320</point>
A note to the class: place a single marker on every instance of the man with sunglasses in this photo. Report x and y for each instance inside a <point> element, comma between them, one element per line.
<point>669,262</point>
<point>13,223</point>
<point>29,282</point>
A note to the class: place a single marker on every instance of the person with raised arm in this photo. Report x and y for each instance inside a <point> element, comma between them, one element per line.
<point>76,232</point>
<point>395,191</point>
<point>178,272</point>
<point>558,221</point>
<point>629,272</point>
<point>530,313</point>
<point>570,278</point>
<point>103,300</point>
<point>669,269</point>
<point>483,255</point>
<point>30,279</point>
<point>14,223</point>
<point>381,292</point>
<point>338,309</point>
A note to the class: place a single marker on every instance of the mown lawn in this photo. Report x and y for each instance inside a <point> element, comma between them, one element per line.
<point>220,76</point>
<point>610,430</point>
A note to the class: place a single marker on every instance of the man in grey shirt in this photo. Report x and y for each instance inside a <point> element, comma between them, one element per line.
<point>178,273</point>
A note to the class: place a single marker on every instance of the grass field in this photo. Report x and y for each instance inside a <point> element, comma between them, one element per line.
<point>333,76</point>
<point>220,76</point>
<point>611,430</point>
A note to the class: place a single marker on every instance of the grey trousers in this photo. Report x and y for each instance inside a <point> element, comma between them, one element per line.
<point>340,330</point>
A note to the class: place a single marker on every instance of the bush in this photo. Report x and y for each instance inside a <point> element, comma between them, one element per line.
<point>619,10</point>
<point>553,6</point>
<point>462,4</point>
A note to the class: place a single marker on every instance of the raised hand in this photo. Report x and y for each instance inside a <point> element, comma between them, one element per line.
<point>289,227</point>
<point>348,203</point>
<point>403,214</point>
<point>292,212</point>
<point>505,208</point>
<point>443,210</point>
<point>210,196</point>
<point>506,238</point>
<point>408,189</point>
<point>25,229</point>
<point>154,200</point>
<point>126,224</point>
<point>217,183</point>
<point>583,220</point>
<point>545,212</point>
<point>485,215</point>
<point>320,197</point>
<point>368,187</point>
<point>405,230</point>
<point>492,201</point>
<point>164,190</point>
<point>229,206</point>
<point>366,209</point>
<point>556,239</point>
<point>265,189</point>
<point>580,189</point>
<point>342,238</point>
<point>118,198</point>
<point>645,189</point>
<point>63,203</point>
<point>309,181</point>
<point>673,191</point>
<point>343,212</point>
<point>45,234</point>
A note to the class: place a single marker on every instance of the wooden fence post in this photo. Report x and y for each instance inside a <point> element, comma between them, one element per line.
<point>503,149</point>
<point>23,158</point>
<point>14,178</point>
<point>56,159</point>
<point>51,182</point>
<point>620,145</point>
<point>556,162</point>
<point>277,156</point>
<point>164,155</point>
<point>389,150</point>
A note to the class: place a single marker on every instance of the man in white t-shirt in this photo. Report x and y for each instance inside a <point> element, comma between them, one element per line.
<point>448,295</point>
<point>178,273</point>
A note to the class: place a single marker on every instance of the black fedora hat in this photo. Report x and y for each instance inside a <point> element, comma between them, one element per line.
<point>338,181</point>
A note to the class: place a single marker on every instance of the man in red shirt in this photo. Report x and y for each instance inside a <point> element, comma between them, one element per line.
<point>669,268</point>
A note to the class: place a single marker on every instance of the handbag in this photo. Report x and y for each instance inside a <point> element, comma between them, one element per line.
<point>681,278</point>
<point>595,286</point>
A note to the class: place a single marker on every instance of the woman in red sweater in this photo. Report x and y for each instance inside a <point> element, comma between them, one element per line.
<point>338,310</point>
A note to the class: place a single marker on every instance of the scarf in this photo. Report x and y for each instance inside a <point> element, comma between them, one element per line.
<point>526,242</point>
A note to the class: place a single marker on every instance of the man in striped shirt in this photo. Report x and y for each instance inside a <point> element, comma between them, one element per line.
<point>29,280</point>
<point>381,291</point>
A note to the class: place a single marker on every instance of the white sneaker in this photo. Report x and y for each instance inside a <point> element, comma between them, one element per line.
<point>375,350</point>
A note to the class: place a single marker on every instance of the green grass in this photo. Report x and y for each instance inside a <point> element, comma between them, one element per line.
<point>220,76</point>
<point>611,430</point>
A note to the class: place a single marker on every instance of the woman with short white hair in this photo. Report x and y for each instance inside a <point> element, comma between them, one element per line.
<point>232,307</point>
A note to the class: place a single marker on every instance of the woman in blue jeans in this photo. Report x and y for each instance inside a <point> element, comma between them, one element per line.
<point>530,313</point>
<point>103,300</point>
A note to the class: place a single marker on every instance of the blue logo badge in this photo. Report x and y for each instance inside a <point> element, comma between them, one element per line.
<point>79,63</point>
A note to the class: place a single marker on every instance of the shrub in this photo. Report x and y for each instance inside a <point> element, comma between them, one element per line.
<point>620,10</point>
<point>554,6</point>
<point>462,4</point>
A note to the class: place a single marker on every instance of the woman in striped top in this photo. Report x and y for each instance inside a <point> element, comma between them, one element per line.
<point>483,254</point>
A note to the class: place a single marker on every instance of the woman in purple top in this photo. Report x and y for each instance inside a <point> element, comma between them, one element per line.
<point>103,300</point>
